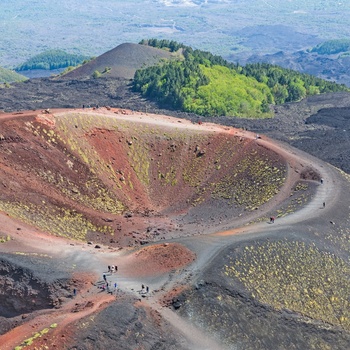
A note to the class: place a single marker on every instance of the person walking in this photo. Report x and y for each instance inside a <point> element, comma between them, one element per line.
<point>324,205</point>
<point>115,288</point>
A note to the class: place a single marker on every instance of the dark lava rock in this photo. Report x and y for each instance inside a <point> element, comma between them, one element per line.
<point>27,285</point>
<point>124,326</point>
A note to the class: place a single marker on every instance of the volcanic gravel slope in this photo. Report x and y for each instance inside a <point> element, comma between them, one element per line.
<point>120,62</point>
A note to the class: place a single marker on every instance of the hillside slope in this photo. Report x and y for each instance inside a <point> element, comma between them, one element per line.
<point>9,76</point>
<point>120,62</point>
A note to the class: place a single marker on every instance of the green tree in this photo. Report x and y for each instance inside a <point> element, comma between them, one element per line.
<point>206,84</point>
<point>296,91</point>
<point>52,59</point>
<point>96,74</point>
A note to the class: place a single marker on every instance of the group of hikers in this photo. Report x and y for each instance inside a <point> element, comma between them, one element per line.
<point>112,268</point>
<point>144,289</point>
<point>108,285</point>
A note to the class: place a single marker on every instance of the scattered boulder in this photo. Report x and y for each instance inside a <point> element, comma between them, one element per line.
<point>107,219</point>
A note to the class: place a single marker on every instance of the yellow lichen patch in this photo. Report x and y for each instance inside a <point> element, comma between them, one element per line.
<point>254,180</point>
<point>30,341</point>
<point>139,159</point>
<point>296,276</point>
<point>56,220</point>
<point>4,239</point>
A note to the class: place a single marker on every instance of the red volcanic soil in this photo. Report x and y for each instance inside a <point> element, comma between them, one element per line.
<point>158,259</point>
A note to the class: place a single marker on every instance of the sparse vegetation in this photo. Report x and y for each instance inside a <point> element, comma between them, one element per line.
<point>4,239</point>
<point>296,276</point>
<point>138,154</point>
<point>96,74</point>
<point>254,180</point>
<point>54,219</point>
<point>106,70</point>
<point>300,196</point>
<point>31,340</point>
<point>90,169</point>
<point>94,194</point>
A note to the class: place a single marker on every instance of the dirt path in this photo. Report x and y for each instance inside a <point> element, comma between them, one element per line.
<point>206,247</point>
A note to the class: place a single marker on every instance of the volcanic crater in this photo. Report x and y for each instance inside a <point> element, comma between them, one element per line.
<point>159,197</point>
<point>122,179</point>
